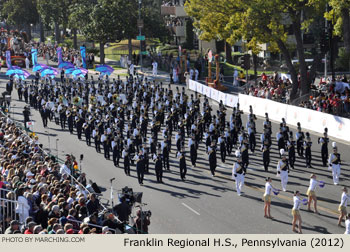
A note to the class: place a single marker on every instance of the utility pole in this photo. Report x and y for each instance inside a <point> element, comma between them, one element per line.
<point>140,33</point>
<point>325,56</point>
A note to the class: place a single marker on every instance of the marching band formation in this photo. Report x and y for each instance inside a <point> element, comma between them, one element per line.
<point>135,120</point>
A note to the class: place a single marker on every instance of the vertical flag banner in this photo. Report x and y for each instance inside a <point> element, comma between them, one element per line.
<point>8,59</point>
<point>83,56</point>
<point>34,56</point>
<point>59,55</point>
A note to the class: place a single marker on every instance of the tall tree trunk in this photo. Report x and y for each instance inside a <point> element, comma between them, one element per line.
<point>304,86</point>
<point>292,72</point>
<point>57,32</point>
<point>346,28</point>
<point>314,66</point>
<point>130,48</point>
<point>102,53</point>
<point>42,35</point>
<point>228,51</point>
<point>28,30</point>
<point>255,64</point>
<point>75,39</point>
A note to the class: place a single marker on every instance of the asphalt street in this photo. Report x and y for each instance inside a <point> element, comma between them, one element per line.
<point>202,203</point>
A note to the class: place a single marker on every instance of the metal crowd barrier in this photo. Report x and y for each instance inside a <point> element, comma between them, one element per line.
<point>7,209</point>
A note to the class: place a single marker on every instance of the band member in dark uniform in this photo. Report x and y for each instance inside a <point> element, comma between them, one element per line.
<point>300,139</point>
<point>307,146</point>
<point>193,150</point>
<point>126,158</point>
<point>183,169</point>
<point>157,159</point>
<point>291,150</point>
<point>87,132</point>
<point>212,158</point>
<point>324,147</point>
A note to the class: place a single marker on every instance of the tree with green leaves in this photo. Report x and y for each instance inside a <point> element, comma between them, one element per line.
<point>339,15</point>
<point>100,21</point>
<point>21,13</point>
<point>56,13</point>
<point>258,22</point>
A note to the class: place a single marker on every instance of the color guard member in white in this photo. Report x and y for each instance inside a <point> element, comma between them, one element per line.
<point>345,199</point>
<point>267,198</point>
<point>311,193</point>
<point>296,213</point>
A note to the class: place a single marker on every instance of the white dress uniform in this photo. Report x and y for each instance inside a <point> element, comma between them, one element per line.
<point>347,226</point>
<point>238,176</point>
<point>282,167</point>
<point>334,164</point>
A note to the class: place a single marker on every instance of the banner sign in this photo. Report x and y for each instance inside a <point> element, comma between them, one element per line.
<point>34,57</point>
<point>59,55</point>
<point>8,59</point>
<point>83,56</point>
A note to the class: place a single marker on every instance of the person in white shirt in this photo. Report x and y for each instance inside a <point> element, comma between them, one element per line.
<point>311,193</point>
<point>131,69</point>
<point>27,63</point>
<point>155,68</point>
<point>296,213</point>
<point>22,207</point>
<point>267,198</point>
<point>235,76</point>
<point>191,74</point>
<point>345,199</point>
<point>347,224</point>
<point>196,73</point>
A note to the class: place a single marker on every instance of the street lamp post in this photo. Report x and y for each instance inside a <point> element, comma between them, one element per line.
<point>140,33</point>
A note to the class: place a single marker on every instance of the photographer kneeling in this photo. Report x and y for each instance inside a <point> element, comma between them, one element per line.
<point>142,221</point>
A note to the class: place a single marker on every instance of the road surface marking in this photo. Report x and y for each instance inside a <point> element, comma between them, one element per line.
<point>191,209</point>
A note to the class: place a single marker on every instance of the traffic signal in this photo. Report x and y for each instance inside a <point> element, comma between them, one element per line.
<point>244,61</point>
<point>324,42</point>
<point>241,62</point>
<point>143,45</point>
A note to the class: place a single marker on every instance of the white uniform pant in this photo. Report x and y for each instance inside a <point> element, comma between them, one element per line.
<point>239,183</point>
<point>155,71</point>
<point>336,173</point>
<point>284,180</point>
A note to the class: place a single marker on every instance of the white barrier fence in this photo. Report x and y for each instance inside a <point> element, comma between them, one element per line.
<point>227,99</point>
<point>338,127</point>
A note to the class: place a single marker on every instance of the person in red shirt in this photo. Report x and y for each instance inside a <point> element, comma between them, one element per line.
<point>30,228</point>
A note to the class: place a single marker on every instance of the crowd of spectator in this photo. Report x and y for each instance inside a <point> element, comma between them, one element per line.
<point>272,87</point>
<point>38,196</point>
<point>327,96</point>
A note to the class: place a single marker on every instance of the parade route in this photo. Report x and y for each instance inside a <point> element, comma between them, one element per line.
<point>202,203</point>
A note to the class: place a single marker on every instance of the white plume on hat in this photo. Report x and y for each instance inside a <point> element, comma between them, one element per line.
<point>282,152</point>
<point>238,153</point>
<point>334,144</point>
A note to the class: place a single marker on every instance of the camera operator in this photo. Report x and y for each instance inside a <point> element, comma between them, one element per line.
<point>142,221</point>
<point>123,210</point>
